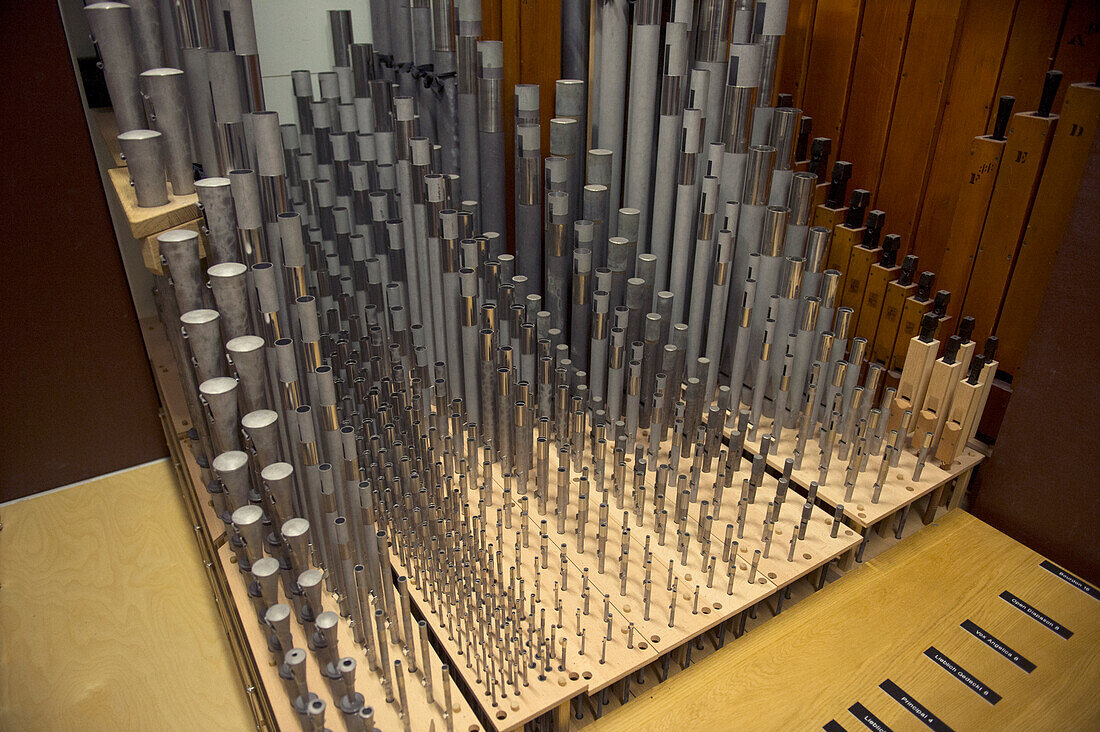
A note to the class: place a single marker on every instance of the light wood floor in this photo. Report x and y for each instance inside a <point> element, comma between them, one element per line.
<point>107,621</point>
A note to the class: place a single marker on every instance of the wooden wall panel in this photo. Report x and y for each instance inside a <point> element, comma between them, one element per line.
<point>829,72</point>
<point>1078,46</point>
<point>794,52</point>
<point>875,77</point>
<point>1030,53</point>
<point>970,97</point>
<point>540,56</point>
<point>1040,485</point>
<point>933,34</point>
<point>78,396</point>
<point>1046,227</point>
<point>1017,180</point>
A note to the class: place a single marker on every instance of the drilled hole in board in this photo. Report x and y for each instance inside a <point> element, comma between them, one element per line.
<point>501,714</point>
<point>910,488</point>
<point>655,638</point>
<point>706,610</point>
<point>772,575</point>
<point>861,514</point>
<point>847,532</point>
<point>717,606</point>
<point>643,645</point>
<point>762,581</point>
<point>807,556</point>
<point>587,674</point>
<point>474,728</point>
<point>573,676</point>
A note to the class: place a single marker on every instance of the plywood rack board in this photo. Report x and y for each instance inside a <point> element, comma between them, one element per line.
<point>949,588</point>
<point>271,703</point>
<point>899,492</point>
<point>637,656</point>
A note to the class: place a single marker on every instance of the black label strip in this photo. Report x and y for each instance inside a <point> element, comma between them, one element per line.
<point>1034,614</point>
<point>999,646</point>
<point>1071,579</point>
<point>918,710</point>
<point>833,726</point>
<point>963,675</point>
<point>864,715</point>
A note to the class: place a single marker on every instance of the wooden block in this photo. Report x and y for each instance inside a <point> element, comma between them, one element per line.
<point>985,26</point>
<point>875,78</point>
<point>987,380</point>
<point>1054,200</point>
<point>840,250</point>
<point>954,435</point>
<point>794,51</point>
<point>960,245</point>
<point>1021,165</point>
<point>828,216</point>
<point>912,313</point>
<point>148,221</point>
<point>150,247</point>
<point>1031,47</point>
<point>874,297</point>
<point>829,72</point>
<point>919,358</point>
<point>937,399</point>
<point>933,35</point>
<point>889,323</point>
<point>855,278</point>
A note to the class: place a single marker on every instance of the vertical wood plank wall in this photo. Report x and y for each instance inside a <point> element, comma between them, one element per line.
<point>902,87</point>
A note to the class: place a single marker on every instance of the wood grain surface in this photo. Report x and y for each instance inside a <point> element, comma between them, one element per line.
<point>107,621</point>
<point>899,604</point>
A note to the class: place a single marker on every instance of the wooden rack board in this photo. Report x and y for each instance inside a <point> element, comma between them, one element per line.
<point>149,221</point>
<point>653,639</point>
<point>950,573</point>
<point>386,716</point>
<point>259,672</point>
<point>900,489</point>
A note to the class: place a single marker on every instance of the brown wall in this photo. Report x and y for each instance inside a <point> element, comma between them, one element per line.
<point>78,398</point>
<point>1041,485</point>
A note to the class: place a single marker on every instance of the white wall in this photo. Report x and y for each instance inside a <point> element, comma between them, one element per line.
<point>295,35</point>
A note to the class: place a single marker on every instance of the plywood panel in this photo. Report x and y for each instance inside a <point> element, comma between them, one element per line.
<point>984,35</point>
<point>875,78</point>
<point>106,617</point>
<point>1030,53</point>
<point>921,94</point>
<point>828,75</point>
